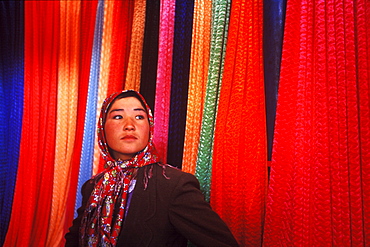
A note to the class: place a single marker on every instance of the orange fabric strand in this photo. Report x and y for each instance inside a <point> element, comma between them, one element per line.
<point>199,62</point>
<point>137,41</point>
<point>68,70</point>
<point>88,13</point>
<point>33,191</point>
<point>105,59</point>
<point>239,172</point>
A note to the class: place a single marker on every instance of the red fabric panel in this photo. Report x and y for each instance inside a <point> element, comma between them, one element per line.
<point>239,173</point>
<point>362,29</point>
<point>121,40</point>
<point>318,172</point>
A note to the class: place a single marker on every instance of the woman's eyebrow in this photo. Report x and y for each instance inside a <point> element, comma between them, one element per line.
<point>139,109</point>
<point>114,110</point>
<point>120,109</point>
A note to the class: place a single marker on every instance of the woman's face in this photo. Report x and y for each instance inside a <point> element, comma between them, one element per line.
<point>126,128</point>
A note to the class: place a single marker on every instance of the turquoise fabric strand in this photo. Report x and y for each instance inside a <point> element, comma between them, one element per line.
<point>220,17</point>
<point>87,153</point>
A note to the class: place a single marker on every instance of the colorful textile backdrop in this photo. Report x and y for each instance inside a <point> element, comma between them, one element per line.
<point>319,187</point>
<point>200,66</point>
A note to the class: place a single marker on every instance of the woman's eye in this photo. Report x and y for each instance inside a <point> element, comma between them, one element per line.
<point>140,117</point>
<point>117,117</point>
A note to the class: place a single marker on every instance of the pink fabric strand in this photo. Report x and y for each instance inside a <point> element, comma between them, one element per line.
<point>164,71</point>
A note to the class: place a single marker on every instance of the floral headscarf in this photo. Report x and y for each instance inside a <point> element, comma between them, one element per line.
<point>100,226</point>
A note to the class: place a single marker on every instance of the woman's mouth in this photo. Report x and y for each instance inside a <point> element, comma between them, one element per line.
<point>129,137</point>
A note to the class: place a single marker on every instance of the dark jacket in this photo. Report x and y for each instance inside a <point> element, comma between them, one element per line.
<point>167,213</point>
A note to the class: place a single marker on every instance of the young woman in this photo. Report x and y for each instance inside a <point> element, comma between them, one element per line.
<point>136,200</point>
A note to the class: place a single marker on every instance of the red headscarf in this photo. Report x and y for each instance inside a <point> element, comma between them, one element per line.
<point>100,226</point>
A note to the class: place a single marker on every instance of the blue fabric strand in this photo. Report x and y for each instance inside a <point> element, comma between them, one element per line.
<point>273,29</point>
<point>11,107</point>
<point>180,80</point>
<point>87,153</point>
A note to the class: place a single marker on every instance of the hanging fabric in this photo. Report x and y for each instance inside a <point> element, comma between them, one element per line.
<point>273,31</point>
<point>199,61</point>
<point>104,72</point>
<point>362,52</point>
<point>180,80</point>
<point>164,71</point>
<point>87,152</point>
<point>68,71</point>
<point>150,52</point>
<point>122,12</point>
<point>220,17</point>
<point>11,108</point>
<point>320,165</point>
<point>239,173</point>
<point>86,26</point>
<point>37,150</point>
<point>136,46</point>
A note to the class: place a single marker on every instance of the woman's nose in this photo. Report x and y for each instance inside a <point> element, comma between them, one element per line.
<point>129,124</point>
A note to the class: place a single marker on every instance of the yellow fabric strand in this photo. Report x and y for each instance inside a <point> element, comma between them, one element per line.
<point>136,47</point>
<point>66,115</point>
<point>105,59</point>
<point>197,81</point>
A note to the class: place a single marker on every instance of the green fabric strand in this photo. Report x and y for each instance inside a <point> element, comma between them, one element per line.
<point>220,20</point>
